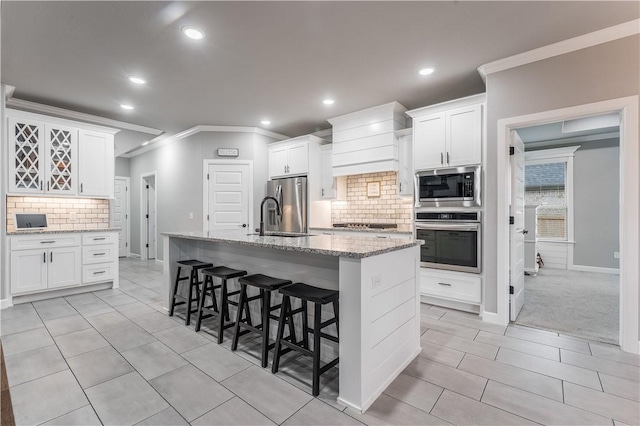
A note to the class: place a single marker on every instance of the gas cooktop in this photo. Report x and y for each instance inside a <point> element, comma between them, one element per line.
<point>366,225</point>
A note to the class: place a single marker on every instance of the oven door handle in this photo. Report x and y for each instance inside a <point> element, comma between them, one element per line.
<point>448,227</point>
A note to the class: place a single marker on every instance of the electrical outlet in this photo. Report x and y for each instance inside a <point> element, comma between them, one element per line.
<point>616,255</point>
<point>376,281</point>
<point>191,215</point>
<point>72,216</point>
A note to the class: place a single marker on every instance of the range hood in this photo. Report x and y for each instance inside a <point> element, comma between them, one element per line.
<point>365,142</point>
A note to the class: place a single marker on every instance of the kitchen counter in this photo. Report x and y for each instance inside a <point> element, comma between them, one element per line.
<point>369,230</point>
<point>61,231</point>
<point>378,281</point>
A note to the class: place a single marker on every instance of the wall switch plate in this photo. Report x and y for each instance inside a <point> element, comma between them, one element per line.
<point>72,216</point>
<point>376,281</point>
<point>616,255</point>
<point>190,215</point>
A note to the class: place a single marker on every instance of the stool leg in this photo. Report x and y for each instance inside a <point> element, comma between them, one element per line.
<point>284,311</point>
<point>214,300</point>
<point>317,320</point>
<point>241,305</point>
<point>224,309</point>
<point>174,291</point>
<point>266,314</point>
<point>336,309</point>
<point>305,326</point>
<point>192,281</point>
<point>207,280</point>
<point>292,329</point>
<point>225,302</point>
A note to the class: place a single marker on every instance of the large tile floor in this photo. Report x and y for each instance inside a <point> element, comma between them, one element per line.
<point>114,357</point>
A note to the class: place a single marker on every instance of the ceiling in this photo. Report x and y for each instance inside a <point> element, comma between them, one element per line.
<point>271,60</point>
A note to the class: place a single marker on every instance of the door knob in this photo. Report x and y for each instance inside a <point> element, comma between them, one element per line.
<point>244,225</point>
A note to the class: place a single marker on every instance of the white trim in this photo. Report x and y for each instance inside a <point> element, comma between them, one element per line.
<point>491,318</point>
<point>8,91</point>
<point>165,140</point>
<point>135,255</point>
<point>143,222</point>
<point>205,188</point>
<point>75,115</point>
<point>6,303</point>
<point>60,121</point>
<point>629,205</point>
<point>128,212</point>
<point>443,106</point>
<point>159,262</point>
<point>574,139</point>
<point>566,46</point>
<point>549,155</point>
<point>583,268</point>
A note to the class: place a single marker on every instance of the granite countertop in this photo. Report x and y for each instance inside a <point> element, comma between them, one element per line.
<point>60,231</point>
<point>331,245</point>
<point>371,230</point>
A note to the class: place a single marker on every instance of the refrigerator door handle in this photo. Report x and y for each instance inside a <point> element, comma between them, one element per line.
<point>280,201</point>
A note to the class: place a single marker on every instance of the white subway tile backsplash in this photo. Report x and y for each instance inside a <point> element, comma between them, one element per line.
<point>89,212</point>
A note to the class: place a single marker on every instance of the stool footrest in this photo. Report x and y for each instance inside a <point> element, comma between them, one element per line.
<point>295,347</point>
<point>329,365</point>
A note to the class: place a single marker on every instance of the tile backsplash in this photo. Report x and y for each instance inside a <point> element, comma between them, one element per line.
<point>62,213</point>
<point>387,208</point>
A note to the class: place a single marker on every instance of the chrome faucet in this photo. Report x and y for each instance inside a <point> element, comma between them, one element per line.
<point>264,200</point>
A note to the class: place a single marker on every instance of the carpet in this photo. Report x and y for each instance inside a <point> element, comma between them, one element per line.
<point>582,304</point>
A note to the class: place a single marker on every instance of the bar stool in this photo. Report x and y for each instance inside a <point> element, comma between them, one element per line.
<point>266,285</point>
<point>209,288</point>
<point>319,297</point>
<point>193,266</point>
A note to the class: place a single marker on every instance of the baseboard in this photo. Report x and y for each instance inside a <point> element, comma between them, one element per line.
<point>491,318</point>
<point>6,303</point>
<point>583,268</point>
<point>134,255</point>
<point>34,297</point>
<point>460,306</point>
<point>159,262</point>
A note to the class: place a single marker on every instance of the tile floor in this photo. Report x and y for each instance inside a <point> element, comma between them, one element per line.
<point>114,357</point>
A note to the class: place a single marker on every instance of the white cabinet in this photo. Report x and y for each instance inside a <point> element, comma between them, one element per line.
<point>448,136</point>
<point>28,271</point>
<point>331,187</point>
<point>288,159</point>
<point>405,163</point>
<point>63,269</point>
<point>97,160</point>
<point>454,286</point>
<point>55,156</point>
<point>99,257</point>
<point>363,234</point>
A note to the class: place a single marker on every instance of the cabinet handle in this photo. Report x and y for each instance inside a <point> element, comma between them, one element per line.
<point>99,238</point>
<point>327,233</point>
<point>51,256</point>
<point>441,159</point>
<point>400,187</point>
<point>47,186</point>
<point>99,272</point>
<point>445,284</point>
<point>323,192</point>
<point>48,242</point>
<point>80,187</point>
<point>448,162</point>
<point>44,257</point>
<point>99,254</point>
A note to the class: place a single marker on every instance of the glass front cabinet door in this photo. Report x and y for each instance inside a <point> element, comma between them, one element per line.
<point>61,163</point>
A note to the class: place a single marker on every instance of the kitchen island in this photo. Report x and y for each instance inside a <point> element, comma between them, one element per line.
<point>378,280</point>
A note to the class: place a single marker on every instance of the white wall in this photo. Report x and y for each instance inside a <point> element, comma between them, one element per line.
<point>123,167</point>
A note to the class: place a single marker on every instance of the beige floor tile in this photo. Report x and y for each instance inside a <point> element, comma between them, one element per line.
<point>446,377</point>
<point>98,366</point>
<point>602,403</point>
<point>414,392</point>
<point>472,322</point>
<point>433,313</point>
<point>217,361</point>
<point>441,354</point>
<point>390,411</point>
<point>77,343</point>
<point>110,319</point>
<point>519,345</point>
<point>154,359</point>
<point>181,339</point>
<point>84,416</point>
<point>537,408</point>
<point>449,328</point>
<point>613,368</point>
<point>620,387</point>
<point>550,368</point>
<point>460,344</point>
<point>614,353</point>
<point>154,322</point>
<point>461,410</point>
<point>233,412</point>
<point>34,364</point>
<point>26,341</point>
<point>513,376</point>
<point>126,335</point>
<point>317,412</point>
<point>548,338</point>
<point>166,417</point>
<point>66,325</point>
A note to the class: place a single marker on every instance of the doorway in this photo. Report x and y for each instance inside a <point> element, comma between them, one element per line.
<point>148,215</point>
<point>629,205</point>
<point>228,195</point>
<point>121,215</point>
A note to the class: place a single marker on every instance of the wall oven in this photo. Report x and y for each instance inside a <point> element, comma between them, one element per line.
<point>452,240</point>
<point>454,187</point>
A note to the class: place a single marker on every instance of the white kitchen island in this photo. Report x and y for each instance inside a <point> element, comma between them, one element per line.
<point>378,280</point>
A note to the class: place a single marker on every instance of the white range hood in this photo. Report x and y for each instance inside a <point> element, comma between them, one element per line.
<point>364,141</point>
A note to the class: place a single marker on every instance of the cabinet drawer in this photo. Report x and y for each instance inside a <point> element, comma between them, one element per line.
<point>46,241</point>
<point>460,287</point>
<point>99,272</point>
<point>99,254</point>
<point>99,238</point>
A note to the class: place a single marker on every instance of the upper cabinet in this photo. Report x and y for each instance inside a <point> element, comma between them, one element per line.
<point>405,162</point>
<point>291,157</point>
<point>54,156</point>
<point>448,134</point>
<point>331,187</point>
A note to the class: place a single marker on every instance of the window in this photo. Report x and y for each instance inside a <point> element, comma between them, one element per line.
<point>549,184</point>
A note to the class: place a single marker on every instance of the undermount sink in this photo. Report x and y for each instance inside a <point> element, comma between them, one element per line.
<point>283,234</point>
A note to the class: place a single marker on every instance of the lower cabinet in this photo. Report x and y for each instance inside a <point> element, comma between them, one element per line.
<point>454,286</point>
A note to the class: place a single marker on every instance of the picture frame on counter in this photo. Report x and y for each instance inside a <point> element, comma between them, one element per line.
<point>373,189</point>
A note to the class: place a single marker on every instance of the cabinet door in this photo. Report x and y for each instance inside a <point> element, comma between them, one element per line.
<point>26,156</point>
<point>405,166</point>
<point>464,136</point>
<point>96,164</point>
<point>327,180</point>
<point>278,161</point>
<point>61,159</point>
<point>298,159</point>
<point>65,267</point>
<point>429,133</point>
<point>28,270</point>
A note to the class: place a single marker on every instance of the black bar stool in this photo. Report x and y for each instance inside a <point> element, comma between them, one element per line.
<point>193,266</point>
<point>209,288</point>
<point>319,297</point>
<point>266,285</point>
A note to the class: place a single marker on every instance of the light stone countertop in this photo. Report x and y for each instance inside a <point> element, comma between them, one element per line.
<point>61,231</point>
<point>370,230</point>
<point>331,245</point>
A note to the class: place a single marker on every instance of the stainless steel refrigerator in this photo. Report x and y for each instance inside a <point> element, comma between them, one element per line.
<point>291,193</point>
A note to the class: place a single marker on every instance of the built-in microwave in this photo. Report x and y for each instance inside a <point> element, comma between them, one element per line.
<point>453,187</point>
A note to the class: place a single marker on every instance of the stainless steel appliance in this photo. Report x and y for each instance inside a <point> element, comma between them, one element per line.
<point>291,194</point>
<point>452,240</point>
<point>454,187</point>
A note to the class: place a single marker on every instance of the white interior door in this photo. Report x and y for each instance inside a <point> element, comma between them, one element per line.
<point>516,270</point>
<point>228,196</point>
<point>121,214</point>
<point>152,218</point>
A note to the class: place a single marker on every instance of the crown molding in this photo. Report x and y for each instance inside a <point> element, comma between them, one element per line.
<point>78,116</point>
<point>8,91</point>
<point>164,140</point>
<point>566,46</point>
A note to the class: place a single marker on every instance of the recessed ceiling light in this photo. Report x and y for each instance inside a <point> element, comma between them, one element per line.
<point>328,101</point>
<point>125,106</point>
<point>193,33</point>
<point>137,80</point>
<point>265,122</point>
<point>426,71</point>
